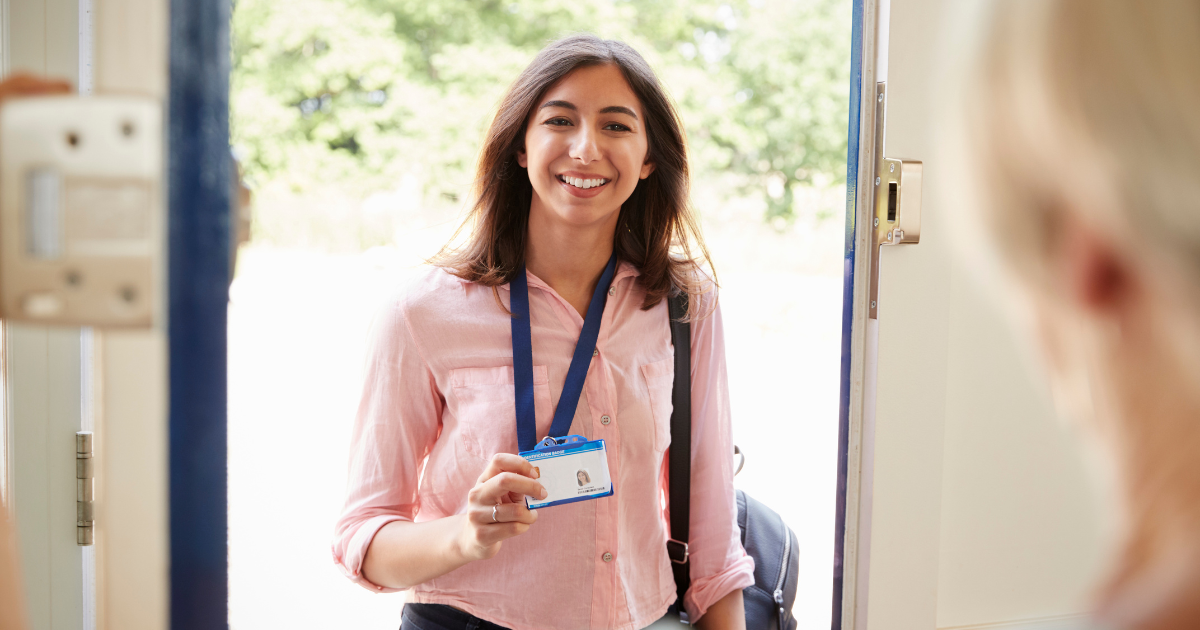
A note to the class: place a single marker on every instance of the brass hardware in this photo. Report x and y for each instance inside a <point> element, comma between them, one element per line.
<point>897,217</point>
<point>85,498</point>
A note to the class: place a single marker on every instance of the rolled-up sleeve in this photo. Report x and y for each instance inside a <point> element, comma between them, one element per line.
<point>397,423</point>
<point>719,564</point>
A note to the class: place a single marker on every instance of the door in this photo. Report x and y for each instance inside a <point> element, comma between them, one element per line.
<point>59,380</point>
<point>966,502</point>
<point>47,370</point>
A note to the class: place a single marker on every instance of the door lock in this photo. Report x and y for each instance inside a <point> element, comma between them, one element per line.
<point>897,217</point>
<point>81,210</point>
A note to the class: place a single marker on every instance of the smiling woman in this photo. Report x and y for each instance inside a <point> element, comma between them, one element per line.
<point>583,162</point>
<point>585,109</point>
<point>581,205</point>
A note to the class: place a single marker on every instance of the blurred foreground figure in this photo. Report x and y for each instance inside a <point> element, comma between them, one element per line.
<point>12,604</point>
<point>1081,129</point>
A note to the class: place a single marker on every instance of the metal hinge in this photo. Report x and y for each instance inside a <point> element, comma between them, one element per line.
<point>85,489</point>
<point>897,216</point>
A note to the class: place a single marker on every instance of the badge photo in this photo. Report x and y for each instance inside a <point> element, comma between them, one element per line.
<point>571,469</point>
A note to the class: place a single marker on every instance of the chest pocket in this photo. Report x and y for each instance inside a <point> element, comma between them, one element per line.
<point>486,411</point>
<point>660,380</point>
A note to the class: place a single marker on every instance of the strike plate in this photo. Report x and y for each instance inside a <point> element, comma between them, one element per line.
<point>897,216</point>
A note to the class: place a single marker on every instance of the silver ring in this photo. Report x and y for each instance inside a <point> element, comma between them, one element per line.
<point>494,513</point>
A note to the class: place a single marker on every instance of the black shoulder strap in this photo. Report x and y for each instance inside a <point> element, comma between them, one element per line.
<point>680,471</point>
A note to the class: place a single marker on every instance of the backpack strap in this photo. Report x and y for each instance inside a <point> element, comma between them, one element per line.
<point>680,464</point>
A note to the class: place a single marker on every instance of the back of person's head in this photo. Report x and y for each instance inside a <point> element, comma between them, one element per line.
<point>1088,106</point>
<point>1079,160</point>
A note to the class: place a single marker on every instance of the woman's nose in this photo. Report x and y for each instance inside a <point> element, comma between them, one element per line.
<point>584,147</point>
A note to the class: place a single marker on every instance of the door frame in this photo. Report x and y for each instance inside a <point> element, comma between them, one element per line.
<point>868,54</point>
<point>199,184</point>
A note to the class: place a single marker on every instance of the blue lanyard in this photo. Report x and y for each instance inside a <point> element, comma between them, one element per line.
<point>522,342</point>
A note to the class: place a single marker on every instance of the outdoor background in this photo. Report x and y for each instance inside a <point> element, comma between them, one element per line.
<point>357,124</point>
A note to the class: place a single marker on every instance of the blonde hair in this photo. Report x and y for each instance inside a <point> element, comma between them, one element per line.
<point>1087,110</point>
<point>1087,106</point>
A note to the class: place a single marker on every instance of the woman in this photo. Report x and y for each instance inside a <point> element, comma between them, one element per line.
<point>583,478</point>
<point>1084,151</point>
<point>585,162</point>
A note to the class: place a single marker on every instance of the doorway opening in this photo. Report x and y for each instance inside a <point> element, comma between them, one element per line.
<point>357,123</point>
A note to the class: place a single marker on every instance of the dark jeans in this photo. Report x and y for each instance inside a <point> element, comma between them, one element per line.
<point>441,617</point>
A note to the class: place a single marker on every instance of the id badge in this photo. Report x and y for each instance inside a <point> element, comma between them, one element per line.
<point>574,470</point>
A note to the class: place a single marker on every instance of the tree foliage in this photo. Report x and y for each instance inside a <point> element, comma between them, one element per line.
<point>361,93</point>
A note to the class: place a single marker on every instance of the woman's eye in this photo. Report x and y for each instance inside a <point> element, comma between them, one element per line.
<point>557,122</point>
<point>616,127</point>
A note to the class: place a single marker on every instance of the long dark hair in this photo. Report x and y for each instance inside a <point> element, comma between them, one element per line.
<point>656,229</point>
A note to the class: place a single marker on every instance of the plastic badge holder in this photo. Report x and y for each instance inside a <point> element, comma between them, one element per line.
<point>571,468</point>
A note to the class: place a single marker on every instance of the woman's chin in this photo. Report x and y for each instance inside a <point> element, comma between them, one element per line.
<point>572,213</point>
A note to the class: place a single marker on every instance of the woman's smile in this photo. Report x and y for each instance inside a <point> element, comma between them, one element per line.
<point>582,185</point>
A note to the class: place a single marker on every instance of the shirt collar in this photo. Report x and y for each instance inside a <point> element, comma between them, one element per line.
<point>624,270</point>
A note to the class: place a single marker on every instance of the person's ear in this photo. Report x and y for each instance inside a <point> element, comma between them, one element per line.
<point>647,168</point>
<point>522,157</point>
<point>1098,279</point>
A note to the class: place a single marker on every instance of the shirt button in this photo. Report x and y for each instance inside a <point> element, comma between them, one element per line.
<point>605,419</point>
<point>612,291</point>
<point>595,353</point>
<point>607,557</point>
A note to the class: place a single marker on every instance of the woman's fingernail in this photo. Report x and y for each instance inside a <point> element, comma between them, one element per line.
<point>543,494</point>
<point>537,474</point>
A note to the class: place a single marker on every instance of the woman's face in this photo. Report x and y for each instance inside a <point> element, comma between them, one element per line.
<point>582,477</point>
<point>585,148</point>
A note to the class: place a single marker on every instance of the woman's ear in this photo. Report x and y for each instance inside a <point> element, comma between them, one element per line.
<point>647,168</point>
<point>522,158</point>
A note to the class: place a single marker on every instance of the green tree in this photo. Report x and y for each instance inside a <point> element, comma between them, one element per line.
<point>357,94</point>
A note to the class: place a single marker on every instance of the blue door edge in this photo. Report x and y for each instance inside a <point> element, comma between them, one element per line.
<point>198,240</point>
<point>852,154</point>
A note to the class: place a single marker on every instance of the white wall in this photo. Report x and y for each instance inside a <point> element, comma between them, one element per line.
<point>1020,524</point>
<point>981,513</point>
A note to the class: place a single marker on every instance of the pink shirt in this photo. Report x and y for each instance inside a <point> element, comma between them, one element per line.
<point>439,394</point>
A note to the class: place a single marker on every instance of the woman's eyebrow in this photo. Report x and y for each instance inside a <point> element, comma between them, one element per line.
<point>618,109</point>
<point>611,109</point>
<point>562,104</point>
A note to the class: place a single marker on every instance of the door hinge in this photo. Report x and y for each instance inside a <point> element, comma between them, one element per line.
<point>897,216</point>
<point>85,489</point>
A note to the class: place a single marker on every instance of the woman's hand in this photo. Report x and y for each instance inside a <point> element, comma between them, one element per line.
<point>404,554</point>
<point>496,506</point>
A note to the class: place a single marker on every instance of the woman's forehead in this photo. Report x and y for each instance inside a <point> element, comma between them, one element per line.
<point>593,88</point>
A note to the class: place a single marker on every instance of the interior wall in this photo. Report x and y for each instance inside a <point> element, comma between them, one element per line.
<point>1021,525</point>
<point>43,37</point>
<point>982,511</point>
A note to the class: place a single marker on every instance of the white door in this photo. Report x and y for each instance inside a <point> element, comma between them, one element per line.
<point>44,382</point>
<point>60,380</point>
<point>968,505</point>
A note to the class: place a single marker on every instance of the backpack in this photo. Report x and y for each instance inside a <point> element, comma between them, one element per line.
<point>765,536</point>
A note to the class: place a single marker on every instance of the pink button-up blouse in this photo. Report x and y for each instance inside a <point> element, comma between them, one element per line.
<point>437,403</point>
